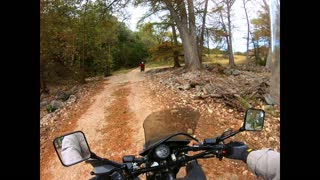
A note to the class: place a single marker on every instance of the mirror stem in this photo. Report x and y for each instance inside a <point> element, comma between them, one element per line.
<point>230,135</point>
<point>107,161</point>
<point>94,156</point>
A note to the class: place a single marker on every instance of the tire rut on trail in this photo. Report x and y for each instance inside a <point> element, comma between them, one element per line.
<point>117,133</point>
<point>112,125</point>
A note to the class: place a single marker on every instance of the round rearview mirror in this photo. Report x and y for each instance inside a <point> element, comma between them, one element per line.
<point>72,148</point>
<point>254,120</point>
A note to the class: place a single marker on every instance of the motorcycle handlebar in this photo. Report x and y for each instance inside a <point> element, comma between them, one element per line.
<point>214,150</point>
<point>106,161</point>
<point>203,147</point>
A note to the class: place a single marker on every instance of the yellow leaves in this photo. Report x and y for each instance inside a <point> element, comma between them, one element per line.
<point>164,50</point>
<point>165,46</point>
<point>220,33</point>
<point>161,47</point>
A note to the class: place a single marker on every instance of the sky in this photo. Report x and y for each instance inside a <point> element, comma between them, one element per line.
<point>238,20</point>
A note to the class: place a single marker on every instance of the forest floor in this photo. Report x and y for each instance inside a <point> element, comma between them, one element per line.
<point>111,111</point>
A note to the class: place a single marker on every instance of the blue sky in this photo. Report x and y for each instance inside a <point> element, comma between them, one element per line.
<point>238,20</point>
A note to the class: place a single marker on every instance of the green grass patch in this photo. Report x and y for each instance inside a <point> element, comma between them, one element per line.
<point>51,109</point>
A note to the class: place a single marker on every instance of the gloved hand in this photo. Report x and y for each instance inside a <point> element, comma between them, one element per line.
<point>237,150</point>
<point>194,172</point>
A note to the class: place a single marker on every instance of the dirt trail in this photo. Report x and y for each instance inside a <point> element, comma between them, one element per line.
<point>119,110</point>
<point>113,119</point>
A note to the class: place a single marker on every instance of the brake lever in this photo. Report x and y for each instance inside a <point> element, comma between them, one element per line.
<point>113,175</point>
<point>109,172</point>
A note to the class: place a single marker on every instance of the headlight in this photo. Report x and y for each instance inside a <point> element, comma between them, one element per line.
<point>162,151</point>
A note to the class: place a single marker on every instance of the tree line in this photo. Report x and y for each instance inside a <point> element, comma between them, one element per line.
<point>81,38</point>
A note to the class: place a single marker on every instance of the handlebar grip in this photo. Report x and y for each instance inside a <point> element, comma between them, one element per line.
<point>128,159</point>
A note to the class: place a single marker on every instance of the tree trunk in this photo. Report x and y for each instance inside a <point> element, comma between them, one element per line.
<point>208,42</point>
<point>202,31</point>
<point>192,21</point>
<point>176,59</point>
<point>107,71</point>
<point>231,57</point>
<point>256,49</point>
<point>43,84</point>
<point>187,33</point>
<point>82,75</point>
<point>275,72</point>
<point>192,47</point>
<point>175,53</point>
<point>266,6</point>
<point>73,50</point>
<point>228,32</point>
<point>248,30</point>
<point>269,60</point>
<point>190,51</point>
<point>275,77</point>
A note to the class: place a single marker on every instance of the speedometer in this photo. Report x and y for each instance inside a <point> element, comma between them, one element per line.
<point>162,151</point>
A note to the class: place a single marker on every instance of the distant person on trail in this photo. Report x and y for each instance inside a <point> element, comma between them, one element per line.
<point>142,66</point>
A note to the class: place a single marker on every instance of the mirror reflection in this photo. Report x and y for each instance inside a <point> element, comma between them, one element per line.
<point>254,120</point>
<point>72,148</point>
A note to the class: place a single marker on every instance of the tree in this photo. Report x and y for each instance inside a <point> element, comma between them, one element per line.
<point>183,13</point>
<point>275,72</point>
<point>202,31</point>
<point>175,43</point>
<point>185,21</point>
<point>215,30</point>
<point>130,49</point>
<point>224,8</point>
<point>147,34</point>
<point>229,4</point>
<point>170,51</point>
<point>261,34</point>
<point>56,22</point>
<point>269,59</point>
<point>79,38</point>
<point>248,26</point>
<point>183,16</point>
<point>156,37</point>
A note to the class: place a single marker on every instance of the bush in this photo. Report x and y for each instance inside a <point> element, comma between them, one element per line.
<point>261,62</point>
<point>51,108</point>
<point>240,53</point>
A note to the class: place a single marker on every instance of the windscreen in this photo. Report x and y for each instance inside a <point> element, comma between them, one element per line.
<point>162,124</point>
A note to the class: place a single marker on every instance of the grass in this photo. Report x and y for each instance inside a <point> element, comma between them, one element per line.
<point>153,64</point>
<point>148,65</point>
<point>208,59</point>
<point>219,59</point>
<point>122,71</point>
<point>244,102</point>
